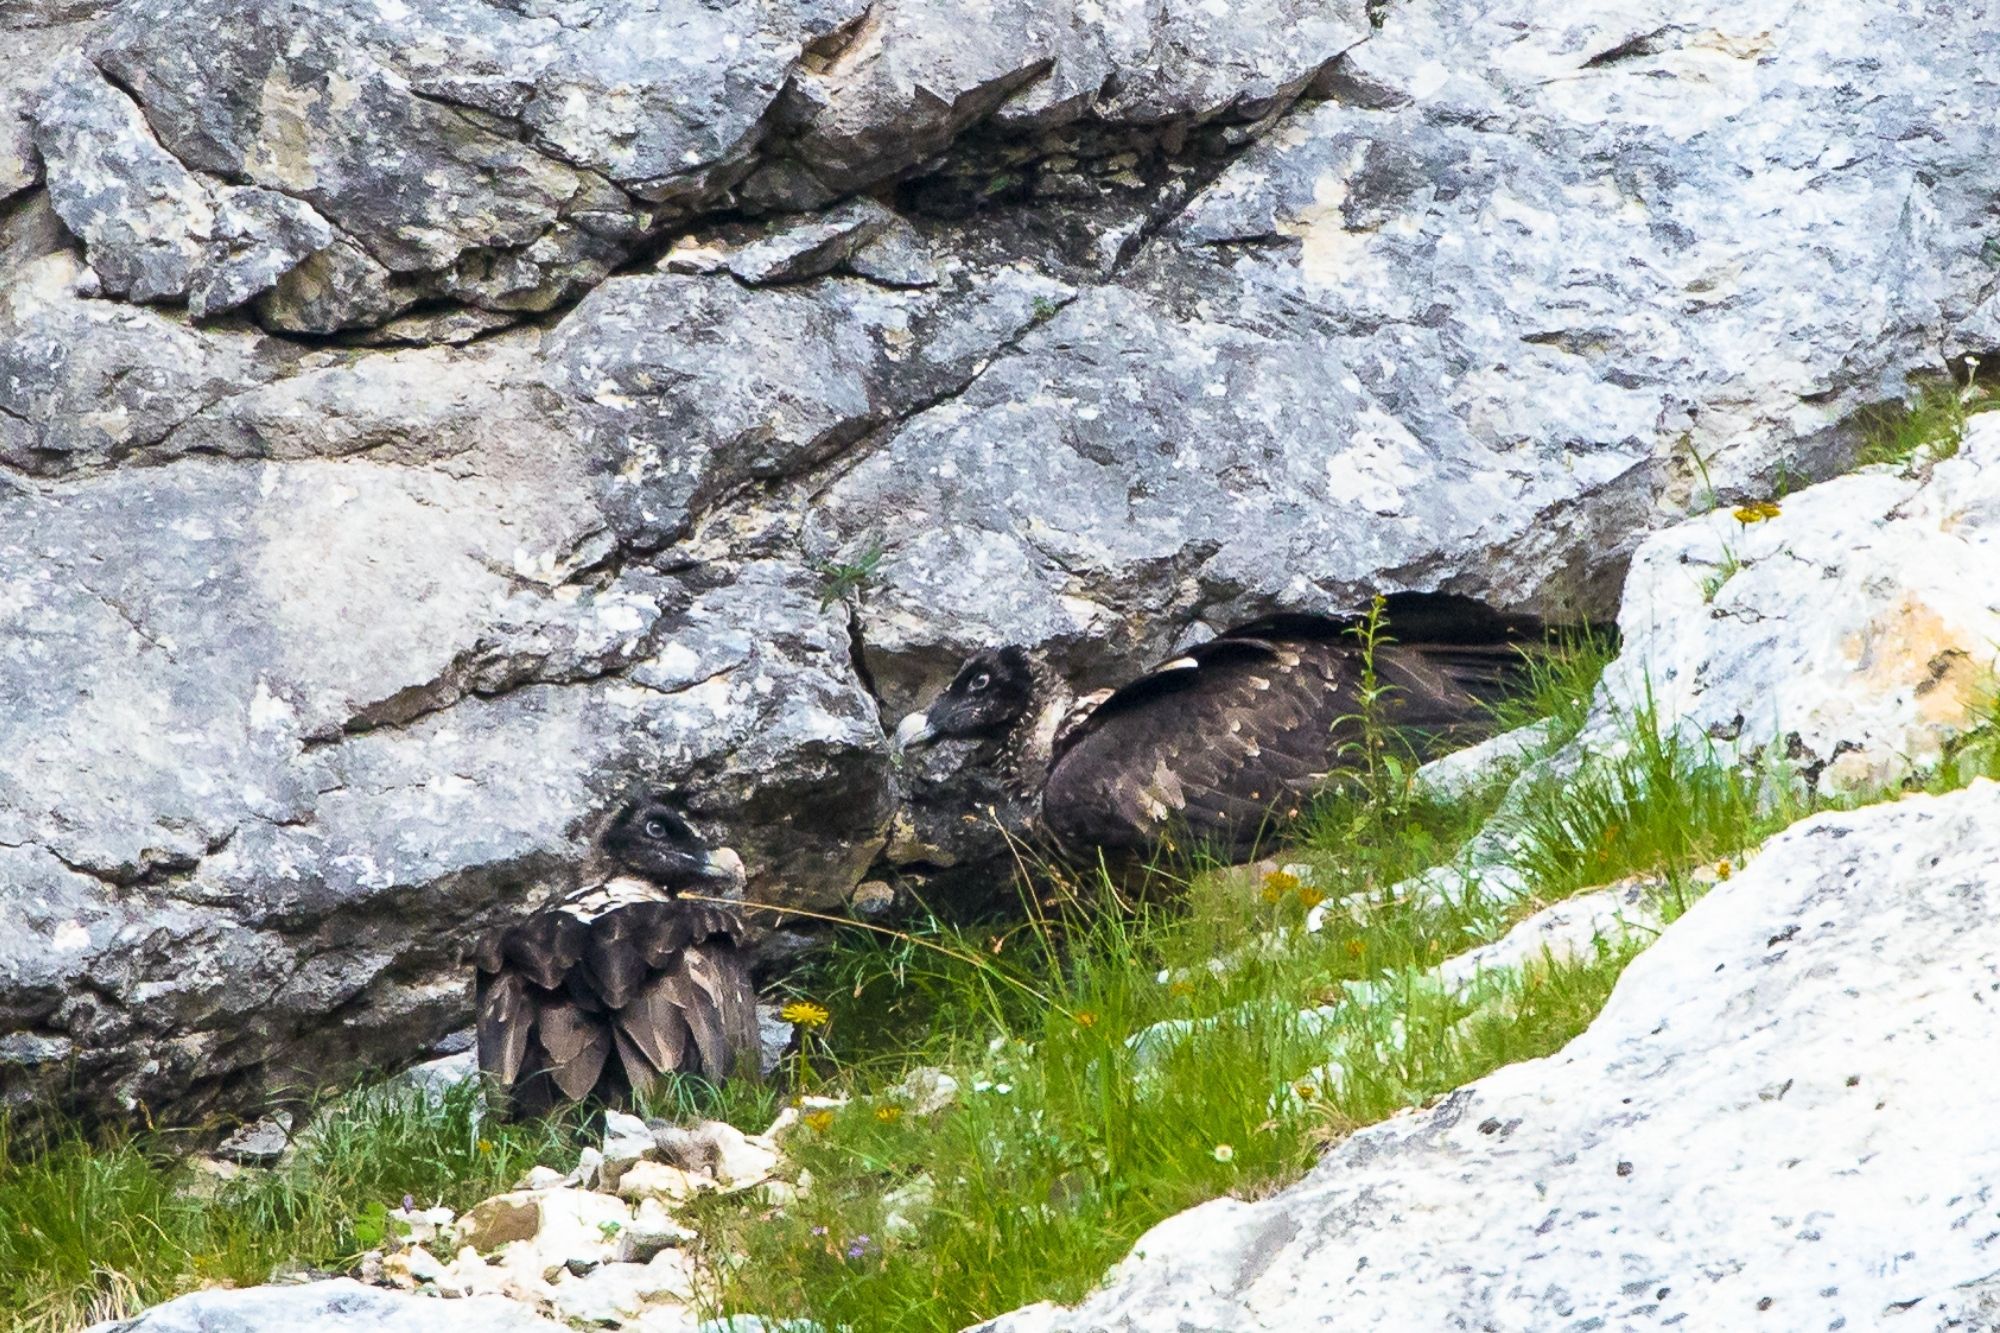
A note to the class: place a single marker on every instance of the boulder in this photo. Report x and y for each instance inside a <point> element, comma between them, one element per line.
<point>337,1305</point>
<point>1850,632</point>
<point>560,1226</point>
<point>1676,1163</point>
<point>689,389</point>
<point>1483,339</point>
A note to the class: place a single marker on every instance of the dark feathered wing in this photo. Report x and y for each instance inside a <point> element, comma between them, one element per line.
<point>598,997</point>
<point>1245,728</point>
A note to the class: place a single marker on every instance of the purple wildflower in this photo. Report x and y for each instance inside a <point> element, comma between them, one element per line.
<point>819,1231</point>
<point>409,1203</point>
<point>858,1248</point>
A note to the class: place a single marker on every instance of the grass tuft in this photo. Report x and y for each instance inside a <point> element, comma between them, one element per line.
<point>1926,429</point>
<point>97,1226</point>
<point>1557,684</point>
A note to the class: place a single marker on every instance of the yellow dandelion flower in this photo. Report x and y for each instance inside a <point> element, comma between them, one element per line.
<point>1310,898</point>
<point>1757,513</point>
<point>1085,1019</point>
<point>805,1014</point>
<point>818,1121</point>
<point>1280,883</point>
<point>1723,870</point>
<point>486,1145</point>
<point>888,1115</point>
<point>1355,948</point>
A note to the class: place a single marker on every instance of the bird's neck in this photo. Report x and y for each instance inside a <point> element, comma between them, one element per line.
<point>1025,753</point>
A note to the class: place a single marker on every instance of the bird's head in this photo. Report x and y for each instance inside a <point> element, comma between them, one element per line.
<point>648,836</point>
<point>991,692</point>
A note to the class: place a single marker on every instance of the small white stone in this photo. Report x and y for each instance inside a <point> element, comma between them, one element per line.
<point>657,1180</point>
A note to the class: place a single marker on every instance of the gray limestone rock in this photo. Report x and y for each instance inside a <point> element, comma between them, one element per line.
<point>331,651</point>
<point>144,217</point>
<point>337,1305</point>
<point>692,386</point>
<point>85,383</point>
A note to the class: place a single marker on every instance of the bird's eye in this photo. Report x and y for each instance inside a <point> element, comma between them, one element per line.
<point>979,682</point>
<point>655,829</point>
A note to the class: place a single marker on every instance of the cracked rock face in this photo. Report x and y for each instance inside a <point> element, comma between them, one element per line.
<point>419,423</point>
<point>1678,1163</point>
<point>341,162</point>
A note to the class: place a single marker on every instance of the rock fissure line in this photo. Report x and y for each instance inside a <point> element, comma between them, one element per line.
<point>831,466</point>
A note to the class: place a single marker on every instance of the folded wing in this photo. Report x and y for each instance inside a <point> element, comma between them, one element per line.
<point>580,1001</point>
<point>1230,738</point>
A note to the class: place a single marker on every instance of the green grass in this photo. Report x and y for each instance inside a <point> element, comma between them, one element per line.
<point>1927,428</point>
<point>1663,803</point>
<point>94,1227</point>
<point>841,579</point>
<point>1066,1141</point>
<point>1557,684</point>
<point>1078,1143</point>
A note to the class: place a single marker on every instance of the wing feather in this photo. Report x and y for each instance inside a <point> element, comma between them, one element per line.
<point>722,974</point>
<point>615,966</point>
<point>577,1044</point>
<point>655,1023</point>
<point>704,1013</point>
<point>545,947</point>
<point>506,1009</point>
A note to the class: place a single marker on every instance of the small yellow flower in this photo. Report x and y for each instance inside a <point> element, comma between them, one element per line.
<point>1757,513</point>
<point>805,1014</point>
<point>1306,1090</point>
<point>818,1121</point>
<point>1223,1153</point>
<point>1355,948</point>
<point>1085,1019</point>
<point>1723,870</point>
<point>888,1115</point>
<point>1279,883</point>
<point>1310,898</point>
<point>486,1145</point>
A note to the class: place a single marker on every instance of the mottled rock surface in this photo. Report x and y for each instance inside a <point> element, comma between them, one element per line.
<point>338,1305</point>
<point>1855,633</point>
<point>421,422</point>
<point>1769,1122</point>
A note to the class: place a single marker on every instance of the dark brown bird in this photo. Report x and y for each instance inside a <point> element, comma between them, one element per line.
<point>1223,741</point>
<point>598,994</point>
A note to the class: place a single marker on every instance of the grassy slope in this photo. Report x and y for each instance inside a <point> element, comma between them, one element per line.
<point>1061,1148</point>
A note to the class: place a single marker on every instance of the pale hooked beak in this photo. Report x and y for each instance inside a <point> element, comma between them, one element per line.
<point>914,730</point>
<point>725,864</point>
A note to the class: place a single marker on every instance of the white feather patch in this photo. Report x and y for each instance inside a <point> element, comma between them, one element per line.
<point>596,900</point>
